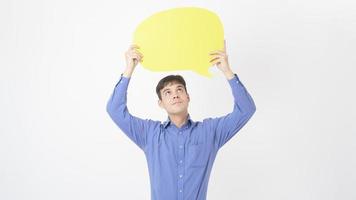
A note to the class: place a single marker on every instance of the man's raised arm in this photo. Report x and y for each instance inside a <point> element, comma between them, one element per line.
<point>225,127</point>
<point>135,128</point>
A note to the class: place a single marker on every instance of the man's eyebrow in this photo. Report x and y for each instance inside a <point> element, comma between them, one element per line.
<point>179,86</point>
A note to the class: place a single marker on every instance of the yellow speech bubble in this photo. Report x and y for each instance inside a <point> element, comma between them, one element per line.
<point>180,39</point>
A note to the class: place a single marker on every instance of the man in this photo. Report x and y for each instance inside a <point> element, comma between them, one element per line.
<point>180,152</point>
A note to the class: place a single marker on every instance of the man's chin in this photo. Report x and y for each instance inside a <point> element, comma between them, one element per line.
<point>177,112</point>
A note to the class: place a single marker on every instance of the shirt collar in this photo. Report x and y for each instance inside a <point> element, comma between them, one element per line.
<point>168,121</point>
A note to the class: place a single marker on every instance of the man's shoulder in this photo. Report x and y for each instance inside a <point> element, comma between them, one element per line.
<point>154,121</point>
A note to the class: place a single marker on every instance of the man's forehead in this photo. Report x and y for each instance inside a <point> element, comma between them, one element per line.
<point>172,85</point>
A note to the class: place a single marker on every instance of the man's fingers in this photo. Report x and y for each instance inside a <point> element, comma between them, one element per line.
<point>224,45</point>
<point>137,56</point>
<point>218,56</point>
<point>136,52</point>
<point>217,52</point>
<point>214,59</point>
<point>140,54</point>
<point>214,62</point>
<point>134,46</point>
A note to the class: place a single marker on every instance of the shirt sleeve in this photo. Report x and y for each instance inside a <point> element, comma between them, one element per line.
<point>134,127</point>
<point>225,127</point>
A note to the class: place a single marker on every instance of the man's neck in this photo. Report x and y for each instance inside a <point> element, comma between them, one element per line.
<point>179,120</point>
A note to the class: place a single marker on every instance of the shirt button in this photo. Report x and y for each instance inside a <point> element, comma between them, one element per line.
<point>180,176</point>
<point>181,161</point>
<point>180,190</point>
<point>180,132</point>
<point>180,146</point>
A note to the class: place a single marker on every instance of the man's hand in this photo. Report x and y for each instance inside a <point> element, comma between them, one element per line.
<point>220,58</point>
<point>133,57</point>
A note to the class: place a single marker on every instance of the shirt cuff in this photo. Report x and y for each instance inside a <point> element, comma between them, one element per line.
<point>123,79</point>
<point>235,79</point>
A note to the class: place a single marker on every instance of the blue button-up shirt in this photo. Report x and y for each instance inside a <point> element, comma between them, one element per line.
<point>180,159</point>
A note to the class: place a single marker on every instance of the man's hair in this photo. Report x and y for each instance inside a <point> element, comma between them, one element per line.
<point>167,80</point>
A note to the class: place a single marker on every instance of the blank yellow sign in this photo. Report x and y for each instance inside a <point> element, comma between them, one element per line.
<point>180,39</point>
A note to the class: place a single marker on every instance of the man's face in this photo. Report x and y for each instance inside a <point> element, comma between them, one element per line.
<point>175,99</point>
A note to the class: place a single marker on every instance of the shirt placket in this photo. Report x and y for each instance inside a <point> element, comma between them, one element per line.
<point>180,164</point>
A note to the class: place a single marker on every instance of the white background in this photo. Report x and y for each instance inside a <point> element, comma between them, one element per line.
<point>60,60</point>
